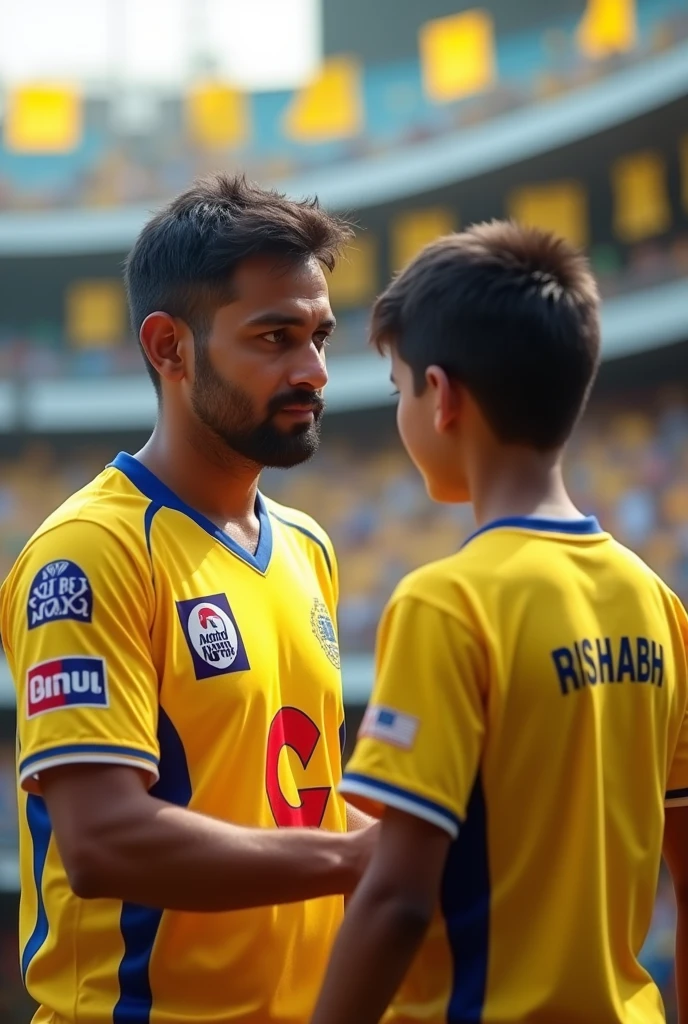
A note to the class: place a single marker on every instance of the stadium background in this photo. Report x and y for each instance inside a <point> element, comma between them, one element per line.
<point>415,118</point>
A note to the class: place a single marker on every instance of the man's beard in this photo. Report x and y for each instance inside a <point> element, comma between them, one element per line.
<point>226,409</point>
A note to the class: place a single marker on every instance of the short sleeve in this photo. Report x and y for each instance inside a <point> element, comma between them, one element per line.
<point>421,738</point>
<point>75,616</point>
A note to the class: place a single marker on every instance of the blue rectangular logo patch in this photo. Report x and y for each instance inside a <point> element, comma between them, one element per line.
<point>59,591</point>
<point>212,636</point>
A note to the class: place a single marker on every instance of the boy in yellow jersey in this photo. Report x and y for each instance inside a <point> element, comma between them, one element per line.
<point>528,719</point>
<point>171,635</point>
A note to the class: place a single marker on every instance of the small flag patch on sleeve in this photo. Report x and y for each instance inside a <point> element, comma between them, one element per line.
<point>389,726</point>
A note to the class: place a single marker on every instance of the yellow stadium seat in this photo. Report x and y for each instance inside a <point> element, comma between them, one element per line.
<point>558,206</point>
<point>43,118</point>
<point>330,107</point>
<point>641,202</point>
<point>457,55</point>
<point>95,313</point>
<point>675,504</point>
<point>354,280</point>
<point>413,230</point>
<point>359,571</point>
<point>608,26</point>
<point>217,116</point>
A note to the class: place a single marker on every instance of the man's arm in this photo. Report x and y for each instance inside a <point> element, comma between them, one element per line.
<point>117,841</point>
<point>676,857</point>
<point>386,921</point>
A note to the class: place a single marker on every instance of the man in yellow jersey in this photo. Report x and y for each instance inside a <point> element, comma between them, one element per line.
<point>171,635</point>
<point>528,720</point>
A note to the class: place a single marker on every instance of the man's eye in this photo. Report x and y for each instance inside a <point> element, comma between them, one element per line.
<point>275,337</point>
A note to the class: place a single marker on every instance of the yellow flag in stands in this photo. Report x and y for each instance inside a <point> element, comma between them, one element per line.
<point>330,107</point>
<point>608,26</point>
<point>43,118</point>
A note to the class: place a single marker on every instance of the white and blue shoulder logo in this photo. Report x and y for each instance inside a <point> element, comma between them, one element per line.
<point>60,590</point>
<point>321,624</point>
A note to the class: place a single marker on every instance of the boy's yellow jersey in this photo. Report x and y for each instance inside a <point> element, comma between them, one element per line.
<point>531,700</point>
<point>140,634</point>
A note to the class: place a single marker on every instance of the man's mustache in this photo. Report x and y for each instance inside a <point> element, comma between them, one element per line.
<point>299,397</point>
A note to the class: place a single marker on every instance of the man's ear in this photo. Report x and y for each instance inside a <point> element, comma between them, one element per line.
<point>162,339</point>
<point>446,398</point>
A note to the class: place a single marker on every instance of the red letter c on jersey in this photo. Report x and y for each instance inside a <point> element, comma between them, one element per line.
<point>293,728</point>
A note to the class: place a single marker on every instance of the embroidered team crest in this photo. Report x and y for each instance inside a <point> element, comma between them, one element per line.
<point>212,636</point>
<point>59,591</point>
<point>321,624</point>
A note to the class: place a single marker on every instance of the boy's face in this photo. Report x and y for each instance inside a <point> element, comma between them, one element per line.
<point>430,426</point>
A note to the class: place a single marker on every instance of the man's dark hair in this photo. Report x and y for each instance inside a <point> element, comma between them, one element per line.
<point>510,312</point>
<point>184,258</point>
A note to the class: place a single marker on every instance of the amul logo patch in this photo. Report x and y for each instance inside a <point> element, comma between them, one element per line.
<point>66,682</point>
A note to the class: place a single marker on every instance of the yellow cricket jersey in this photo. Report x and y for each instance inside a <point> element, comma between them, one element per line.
<point>139,633</point>
<point>531,700</point>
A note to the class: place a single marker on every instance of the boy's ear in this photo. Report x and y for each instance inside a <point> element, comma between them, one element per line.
<point>445,397</point>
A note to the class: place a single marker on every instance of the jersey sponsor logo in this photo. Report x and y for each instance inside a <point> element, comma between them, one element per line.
<point>66,682</point>
<point>212,636</point>
<point>389,726</point>
<point>292,728</point>
<point>321,624</point>
<point>60,590</point>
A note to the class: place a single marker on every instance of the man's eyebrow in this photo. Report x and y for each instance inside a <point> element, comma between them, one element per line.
<point>273,318</point>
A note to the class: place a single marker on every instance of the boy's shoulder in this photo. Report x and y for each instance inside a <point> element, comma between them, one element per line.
<point>440,583</point>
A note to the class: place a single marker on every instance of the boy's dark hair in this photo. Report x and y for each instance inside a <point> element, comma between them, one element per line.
<point>184,258</point>
<point>510,312</point>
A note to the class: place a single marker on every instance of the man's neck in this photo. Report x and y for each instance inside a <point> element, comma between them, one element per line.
<point>210,480</point>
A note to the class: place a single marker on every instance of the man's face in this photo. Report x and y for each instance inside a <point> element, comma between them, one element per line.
<point>258,379</point>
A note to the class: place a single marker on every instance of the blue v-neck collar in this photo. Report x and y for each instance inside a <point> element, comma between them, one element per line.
<point>161,495</point>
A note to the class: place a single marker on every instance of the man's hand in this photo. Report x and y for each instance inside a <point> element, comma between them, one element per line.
<point>364,840</point>
<point>386,921</point>
<point>356,819</point>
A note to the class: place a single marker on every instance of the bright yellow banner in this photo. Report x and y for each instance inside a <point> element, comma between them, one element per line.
<point>641,200</point>
<point>330,107</point>
<point>217,116</point>
<point>608,26</point>
<point>354,280</point>
<point>96,313</point>
<point>413,230</point>
<point>558,206</point>
<point>457,55</point>
<point>43,118</point>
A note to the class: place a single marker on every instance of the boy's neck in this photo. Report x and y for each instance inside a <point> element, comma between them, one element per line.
<point>521,482</point>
